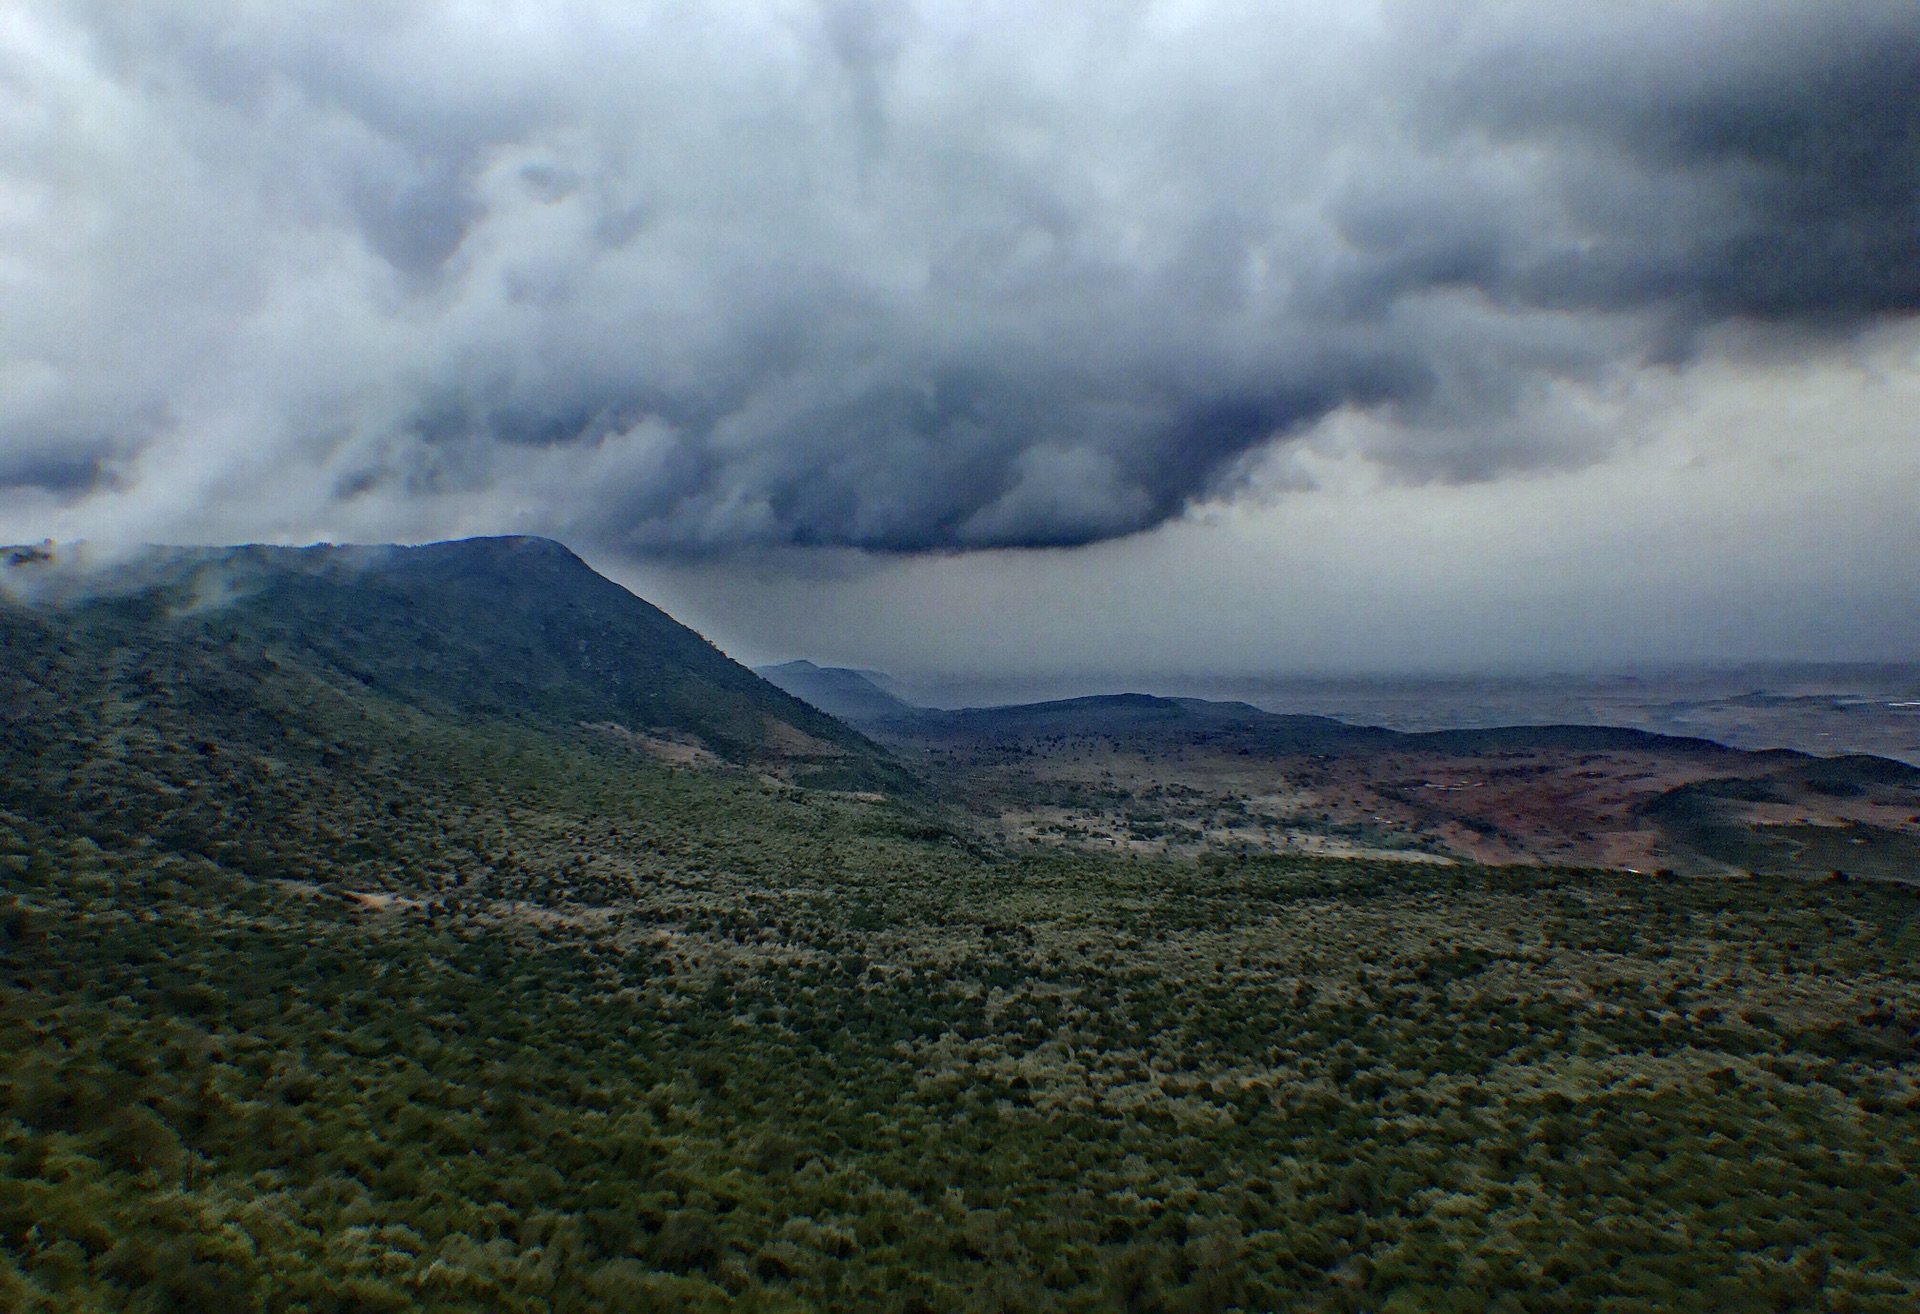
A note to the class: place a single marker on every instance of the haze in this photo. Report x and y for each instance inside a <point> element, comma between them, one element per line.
<point>981,338</point>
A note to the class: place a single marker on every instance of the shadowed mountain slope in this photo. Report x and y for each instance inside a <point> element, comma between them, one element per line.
<point>291,655</point>
<point>492,627</point>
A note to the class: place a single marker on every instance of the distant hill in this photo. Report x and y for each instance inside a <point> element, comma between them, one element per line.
<point>851,695</point>
<point>1146,720</point>
<point>490,629</point>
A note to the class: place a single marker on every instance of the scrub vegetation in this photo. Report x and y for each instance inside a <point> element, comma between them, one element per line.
<point>318,996</point>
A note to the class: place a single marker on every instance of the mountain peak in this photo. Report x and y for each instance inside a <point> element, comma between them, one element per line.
<point>511,627</point>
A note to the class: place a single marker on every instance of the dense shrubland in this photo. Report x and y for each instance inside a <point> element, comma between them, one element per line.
<point>776,1053</point>
<point>316,1000</point>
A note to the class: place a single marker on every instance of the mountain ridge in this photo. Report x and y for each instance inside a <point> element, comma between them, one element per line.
<point>1294,731</point>
<point>507,628</point>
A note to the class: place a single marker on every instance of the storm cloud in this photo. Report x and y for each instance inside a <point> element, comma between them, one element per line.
<point>682,279</point>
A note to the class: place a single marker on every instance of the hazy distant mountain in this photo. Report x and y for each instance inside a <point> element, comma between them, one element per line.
<point>849,694</point>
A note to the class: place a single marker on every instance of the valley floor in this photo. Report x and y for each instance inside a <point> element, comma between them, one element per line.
<point>1537,805</point>
<point>699,1042</point>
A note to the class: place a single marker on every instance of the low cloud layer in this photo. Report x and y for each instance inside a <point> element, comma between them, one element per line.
<point>904,277</point>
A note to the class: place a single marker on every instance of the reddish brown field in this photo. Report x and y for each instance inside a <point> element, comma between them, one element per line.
<point>1542,805</point>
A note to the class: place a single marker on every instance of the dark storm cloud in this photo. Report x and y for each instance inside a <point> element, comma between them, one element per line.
<point>1760,161</point>
<point>903,277</point>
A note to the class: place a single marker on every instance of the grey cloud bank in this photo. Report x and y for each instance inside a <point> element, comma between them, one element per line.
<point>681,280</point>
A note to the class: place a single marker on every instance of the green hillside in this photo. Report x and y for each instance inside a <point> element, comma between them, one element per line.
<point>334,981</point>
<point>252,644</point>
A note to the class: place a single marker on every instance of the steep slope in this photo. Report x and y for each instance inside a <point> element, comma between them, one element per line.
<point>516,628</point>
<point>218,695</point>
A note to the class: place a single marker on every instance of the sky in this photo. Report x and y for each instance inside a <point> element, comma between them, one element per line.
<point>978,337</point>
